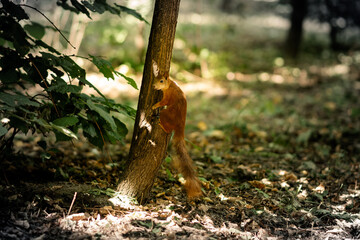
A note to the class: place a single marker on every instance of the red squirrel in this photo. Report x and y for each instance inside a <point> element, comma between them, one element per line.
<point>172,118</point>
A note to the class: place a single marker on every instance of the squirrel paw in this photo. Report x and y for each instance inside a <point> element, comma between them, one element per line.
<point>193,189</point>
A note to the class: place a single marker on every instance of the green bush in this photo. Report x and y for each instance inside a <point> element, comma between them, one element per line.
<point>60,106</point>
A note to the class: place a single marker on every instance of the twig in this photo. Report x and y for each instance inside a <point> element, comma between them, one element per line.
<point>42,78</point>
<point>8,142</point>
<point>5,177</point>
<point>72,203</point>
<point>102,137</point>
<point>57,29</point>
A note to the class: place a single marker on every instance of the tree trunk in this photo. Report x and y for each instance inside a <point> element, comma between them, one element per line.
<point>299,11</point>
<point>149,142</point>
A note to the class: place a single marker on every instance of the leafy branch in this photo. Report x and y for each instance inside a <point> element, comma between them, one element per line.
<point>57,29</point>
<point>67,109</point>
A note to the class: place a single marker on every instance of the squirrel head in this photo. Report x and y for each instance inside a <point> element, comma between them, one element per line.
<point>162,80</point>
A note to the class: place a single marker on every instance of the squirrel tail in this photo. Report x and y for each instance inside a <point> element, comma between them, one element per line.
<point>184,164</point>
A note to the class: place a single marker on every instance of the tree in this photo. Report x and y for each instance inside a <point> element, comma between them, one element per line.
<point>149,142</point>
<point>340,15</point>
<point>299,10</point>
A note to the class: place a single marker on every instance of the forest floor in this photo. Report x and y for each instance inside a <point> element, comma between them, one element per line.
<point>277,160</point>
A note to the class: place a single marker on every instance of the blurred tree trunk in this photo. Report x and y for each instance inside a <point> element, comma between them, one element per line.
<point>149,142</point>
<point>227,6</point>
<point>333,8</point>
<point>334,38</point>
<point>299,11</point>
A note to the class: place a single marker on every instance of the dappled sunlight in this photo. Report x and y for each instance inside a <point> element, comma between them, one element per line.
<point>209,88</point>
<point>305,77</point>
<point>262,21</point>
<point>112,88</point>
<point>164,221</point>
<point>152,143</point>
<point>143,122</point>
<point>274,140</point>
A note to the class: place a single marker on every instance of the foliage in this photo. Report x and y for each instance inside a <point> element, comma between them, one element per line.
<point>41,88</point>
<point>275,144</point>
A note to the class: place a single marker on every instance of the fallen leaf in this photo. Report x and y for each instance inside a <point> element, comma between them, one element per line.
<point>207,199</point>
<point>330,105</point>
<point>202,126</point>
<point>290,177</point>
<point>160,194</point>
<point>320,188</point>
<point>217,134</point>
<point>78,216</point>
<point>257,184</point>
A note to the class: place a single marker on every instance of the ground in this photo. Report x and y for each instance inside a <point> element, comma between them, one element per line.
<point>275,142</point>
<point>276,161</point>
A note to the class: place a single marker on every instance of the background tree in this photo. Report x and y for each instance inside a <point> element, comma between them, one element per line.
<point>149,142</point>
<point>298,14</point>
<point>342,16</point>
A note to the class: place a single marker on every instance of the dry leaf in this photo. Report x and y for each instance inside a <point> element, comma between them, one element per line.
<point>257,184</point>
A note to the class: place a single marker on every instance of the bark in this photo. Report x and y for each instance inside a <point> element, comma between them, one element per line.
<point>149,142</point>
<point>299,11</point>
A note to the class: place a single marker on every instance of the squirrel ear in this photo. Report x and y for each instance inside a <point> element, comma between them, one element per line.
<point>166,75</point>
<point>155,68</point>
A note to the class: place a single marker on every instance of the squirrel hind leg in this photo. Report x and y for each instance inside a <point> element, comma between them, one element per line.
<point>165,121</point>
<point>167,130</point>
<point>193,188</point>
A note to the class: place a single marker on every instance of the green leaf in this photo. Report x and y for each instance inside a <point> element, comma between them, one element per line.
<point>304,137</point>
<point>12,31</point>
<point>128,79</point>
<point>107,70</point>
<point>64,130</point>
<point>167,159</point>
<point>263,193</point>
<point>53,126</point>
<point>17,100</point>
<point>118,135</point>
<point>121,128</point>
<point>77,7</point>
<point>131,12</point>
<point>14,10</point>
<point>104,66</point>
<point>126,110</point>
<point>66,121</point>
<point>20,123</point>
<point>66,63</point>
<point>80,7</point>
<point>83,80</point>
<point>97,140</point>
<point>100,6</point>
<point>105,115</point>
<point>40,43</point>
<point>42,122</point>
<point>35,29</point>
<point>117,107</point>
<point>63,174</point>
<point>216,159</point>
<point>3,131</point>
<point>170,176</point>
<point>89,129</point>
<point>9,76</point>
<point>65,88</point>
<point>74,70</point>
<point>146,223</point>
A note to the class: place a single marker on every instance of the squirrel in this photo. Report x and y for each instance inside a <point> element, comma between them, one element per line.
<point>172,118</point>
